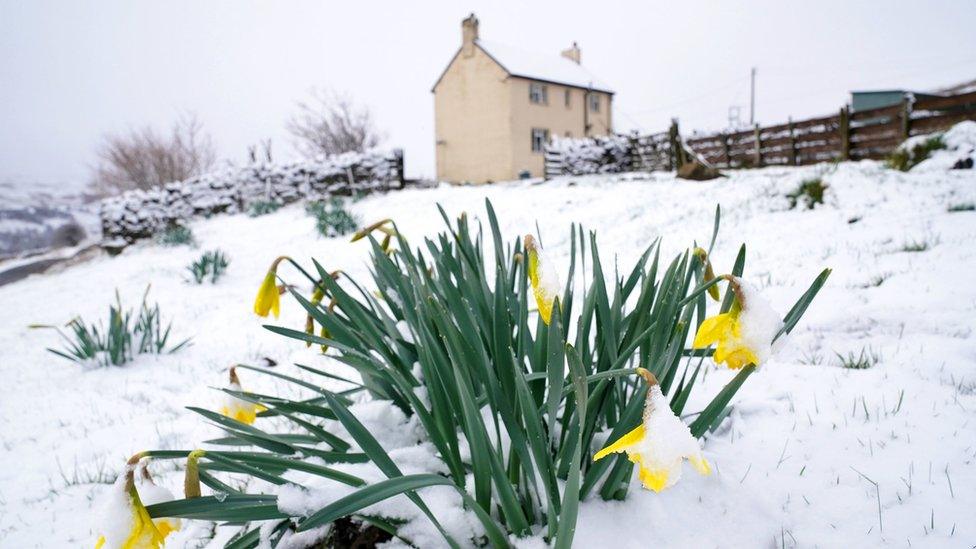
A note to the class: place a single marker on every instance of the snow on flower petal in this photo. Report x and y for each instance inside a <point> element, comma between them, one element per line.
<point>659,444</point>
<point>744,335</point>
<point>125,523</point>
<point>543,277</point>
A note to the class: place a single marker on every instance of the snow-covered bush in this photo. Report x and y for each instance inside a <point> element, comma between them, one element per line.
<point>332,218</point>
<point>581,156</point>
<point>913,151</point>
<point>125,336</point>
<point>505,404</point>
<point>141,214</point>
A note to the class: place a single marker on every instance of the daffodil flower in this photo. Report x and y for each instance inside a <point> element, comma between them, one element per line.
<point>659,444</point>
<point>268,299</point>
<point>127,524</point>
<point>543,277</point>
<point>744,335</point>
<point>239,409</point>
<point>151,494</point>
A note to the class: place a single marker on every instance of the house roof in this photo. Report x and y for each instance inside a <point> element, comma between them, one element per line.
<point>554,69</point>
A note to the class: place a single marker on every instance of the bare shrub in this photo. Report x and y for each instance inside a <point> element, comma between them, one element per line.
<point>331,123</point>
<point>144,158</point>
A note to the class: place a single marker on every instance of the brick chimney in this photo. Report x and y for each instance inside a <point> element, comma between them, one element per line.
<point>573,53</point>
<point>469,33</point>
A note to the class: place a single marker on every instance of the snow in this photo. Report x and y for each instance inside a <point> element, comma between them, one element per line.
<point>813,454</point>
<point>760,322</point>
<point>960,142</point>
<point>553,67</point>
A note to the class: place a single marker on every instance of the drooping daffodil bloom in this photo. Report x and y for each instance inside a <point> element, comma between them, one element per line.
<point>744,335</point>
<point>125,522</point>
<point>543,277</point>
<point>659,444</point>
<point>237,408</point>
<point>151,493</point>
<point>268,299</point>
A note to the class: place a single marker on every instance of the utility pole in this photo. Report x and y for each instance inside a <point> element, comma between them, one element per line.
<point>752,97</point>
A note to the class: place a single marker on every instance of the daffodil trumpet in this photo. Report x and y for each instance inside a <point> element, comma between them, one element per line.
<point>744,335</point>
<point>542,277</point>
<point>151,494</point>
<point>127,524</point>
<point>238,408</point>
<point>268,299</point>
<point>660,444</point>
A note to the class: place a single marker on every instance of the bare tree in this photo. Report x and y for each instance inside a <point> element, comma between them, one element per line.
<point>143,158</point>
<point>331,124</point>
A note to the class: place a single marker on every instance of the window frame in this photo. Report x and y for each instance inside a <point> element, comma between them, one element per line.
<point>544,139</point>
<point>593,102</point>
<point>538,93</point>
<point>567,96</point>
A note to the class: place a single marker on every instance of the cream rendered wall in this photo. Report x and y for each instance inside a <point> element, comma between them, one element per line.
<point>554,116</point>
<point>472,122</point>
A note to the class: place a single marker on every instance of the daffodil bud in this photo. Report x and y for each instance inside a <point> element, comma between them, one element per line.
<point>543,277</point>
<point>709,272</point>
<point>268,299</point>
<point>660,443</point>
<point>362,233</point>
<point>744,335</point>
<point>317,296</point>
<point>191,480</point>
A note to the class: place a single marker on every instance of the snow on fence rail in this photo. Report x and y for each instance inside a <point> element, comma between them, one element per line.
<point>870,134</point>
<point>141,214</point>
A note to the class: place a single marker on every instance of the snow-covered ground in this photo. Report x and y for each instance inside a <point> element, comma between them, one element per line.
<point>814,454</point>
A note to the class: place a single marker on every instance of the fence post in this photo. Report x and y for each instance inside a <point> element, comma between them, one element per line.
<point>906,118</point>
<point>757,160</point>
<point>728,153</point>
<point>677,154</point>
<point>845,134</point>
<point>789,125</point>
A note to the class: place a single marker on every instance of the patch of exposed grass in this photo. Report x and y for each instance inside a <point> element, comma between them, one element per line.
<point>176,235</point>
<point>919,245</point>
<point>263,207</point>
<point>961,207</point>
<point>903,159</point>
<point>867,358</point>
<point>808,194</point>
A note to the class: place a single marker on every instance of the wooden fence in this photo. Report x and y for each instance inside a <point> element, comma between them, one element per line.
<point>847,135</point>
<point>870,134</point>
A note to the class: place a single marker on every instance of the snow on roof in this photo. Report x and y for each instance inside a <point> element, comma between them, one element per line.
<point>551,68</point>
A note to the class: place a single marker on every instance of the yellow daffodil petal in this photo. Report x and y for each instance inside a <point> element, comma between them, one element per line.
<point>623,443</point>
<point>267,299</point>
<point>653,479</point>
<point>713,329</point>
<point>700,464</point>
<point>100,543</point>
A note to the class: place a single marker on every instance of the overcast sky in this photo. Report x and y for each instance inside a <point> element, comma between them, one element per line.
<point>71,71</point>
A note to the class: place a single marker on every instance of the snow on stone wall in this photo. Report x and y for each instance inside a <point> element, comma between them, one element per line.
<point>141,214</point>
<point>581,156</point>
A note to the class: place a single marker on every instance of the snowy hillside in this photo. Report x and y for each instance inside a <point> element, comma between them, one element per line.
<point>814,454</point>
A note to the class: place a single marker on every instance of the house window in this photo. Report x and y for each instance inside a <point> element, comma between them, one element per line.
<point>537,93</point>
<point>567,97</point>
<point>594,102</point>
<point>539,139</point>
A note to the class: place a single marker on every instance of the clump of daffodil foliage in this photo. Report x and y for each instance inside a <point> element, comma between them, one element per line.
<point>332,218</point>
<point>210,266</point>
<point>516,373</point>
<point>127,334</point>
